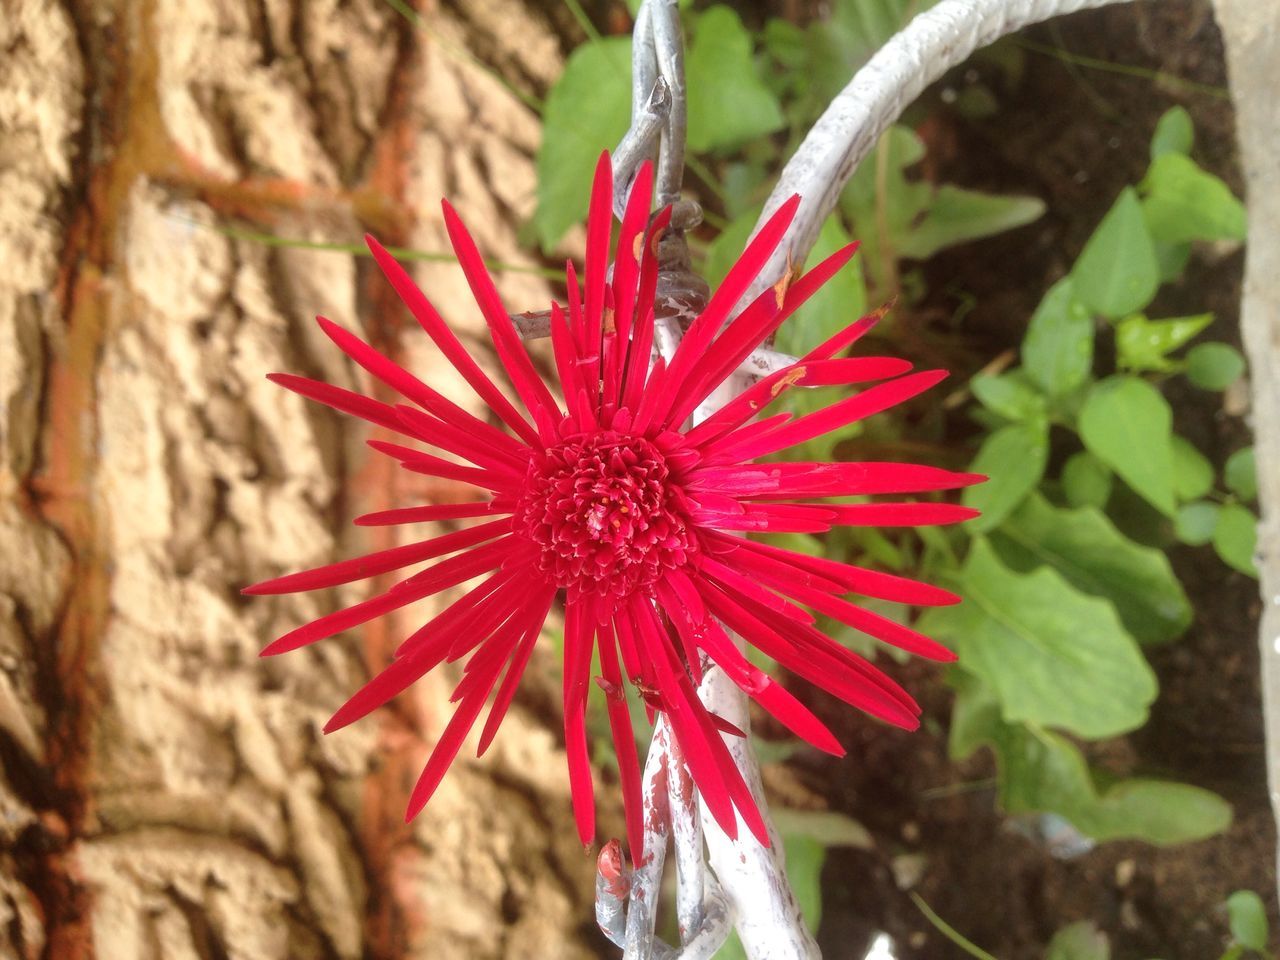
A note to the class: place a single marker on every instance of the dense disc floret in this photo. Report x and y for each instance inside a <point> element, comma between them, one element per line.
<point>641,524</point>
<point>607,513</point>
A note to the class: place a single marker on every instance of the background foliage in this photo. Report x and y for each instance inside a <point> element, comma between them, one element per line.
<point>1065,575</point>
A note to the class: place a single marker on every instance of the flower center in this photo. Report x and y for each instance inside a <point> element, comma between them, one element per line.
<point>606,514</point>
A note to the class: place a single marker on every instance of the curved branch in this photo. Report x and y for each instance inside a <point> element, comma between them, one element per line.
<point>929,46</point>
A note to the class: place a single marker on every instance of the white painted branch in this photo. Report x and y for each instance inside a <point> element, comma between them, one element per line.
<point>1252,33</point>
<point>754,878</point>
<point>686,837</point>
<point>929,46</point>
<point>646,876</point>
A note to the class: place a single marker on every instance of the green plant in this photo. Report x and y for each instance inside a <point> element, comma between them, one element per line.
<point>1247,920</point>
<point>1084,941</point>
<point>1065,575</point>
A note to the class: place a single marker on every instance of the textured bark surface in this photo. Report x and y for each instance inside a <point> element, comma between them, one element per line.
<point>165,793</point>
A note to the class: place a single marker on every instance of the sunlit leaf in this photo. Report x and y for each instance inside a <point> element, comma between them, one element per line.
<point>1143,344</point>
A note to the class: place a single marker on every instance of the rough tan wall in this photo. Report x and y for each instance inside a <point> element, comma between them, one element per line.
<point>165,793</point>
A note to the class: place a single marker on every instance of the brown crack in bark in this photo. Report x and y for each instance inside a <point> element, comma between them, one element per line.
<point>164,792</point>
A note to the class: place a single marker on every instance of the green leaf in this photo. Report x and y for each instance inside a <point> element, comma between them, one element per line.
<point>732,949</point>
<point>724,250</point>
<point>858,28</point>
<point>1010,395</point>
<point>955,215</point>
<point>1195,522</point>
<point>1184,203</point>
<point>1241,474</point>
<point>1086,480</point>
<point>1052,655</point>
<point>1014,459</point>
<point>1057,352</point>
<point>1174,133</point>
<point>840,301</point>
<point>1094,557</point>
<point>1117,273</point>
<point>1143,344</point>
<point>880,202</point>
<point>808,69</point>
<point>1214,366</point>
<point>1043,772</point>
<point>805,857</point>
<point>827,827</point>
<point>905,200</point>
<point>1127,424</point>
<point>728,102</point>
<point>740,184</point>
<point>586,112</point>
<point>1247,917</point>
<point>1235,538</point>
<point>1080,941</point>
<point>1192,471</point>
<point>1173,258</point>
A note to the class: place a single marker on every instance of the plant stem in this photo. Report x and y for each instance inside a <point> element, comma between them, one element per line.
<point>950,932</point>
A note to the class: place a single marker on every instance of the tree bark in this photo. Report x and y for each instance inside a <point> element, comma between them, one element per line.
<point>164,792</point>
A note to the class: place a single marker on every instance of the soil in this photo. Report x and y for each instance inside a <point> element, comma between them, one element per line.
<point>1074,137</point>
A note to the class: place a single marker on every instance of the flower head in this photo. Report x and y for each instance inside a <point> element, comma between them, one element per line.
<point>609,503</point>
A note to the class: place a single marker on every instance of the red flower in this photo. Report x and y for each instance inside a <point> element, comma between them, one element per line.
<point>634,520</point>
